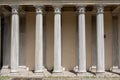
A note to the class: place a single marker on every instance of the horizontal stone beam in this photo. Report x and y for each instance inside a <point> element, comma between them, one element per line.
<point>60,2</point>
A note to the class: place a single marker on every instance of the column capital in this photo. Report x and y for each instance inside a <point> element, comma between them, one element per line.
<point>14,9</point>
<point>57,9</point>
<point>22,13</point>
<point>100,9</point>
<point>6,14</point>
<point>39,9</point>
<point>81,9</point>
<point>114,14</point>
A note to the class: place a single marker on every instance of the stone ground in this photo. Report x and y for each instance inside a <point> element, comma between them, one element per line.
<point>64,78</point>
<point>24,74</point>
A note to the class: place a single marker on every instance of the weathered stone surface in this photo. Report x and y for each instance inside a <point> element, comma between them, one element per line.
<point>65,75</point>
<point>33,2</point>
<point>63,78</point>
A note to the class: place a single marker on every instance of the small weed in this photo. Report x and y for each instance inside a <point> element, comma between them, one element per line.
<point>4,78</point>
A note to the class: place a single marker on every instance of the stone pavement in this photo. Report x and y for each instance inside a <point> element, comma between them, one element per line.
<point>23,73</point>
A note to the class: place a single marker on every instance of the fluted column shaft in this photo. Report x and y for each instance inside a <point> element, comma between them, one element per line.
<point>82,40</point>
<point>100,40</point>
<point>57,40</point>
<point>15,40</point>
<point>39,40</point>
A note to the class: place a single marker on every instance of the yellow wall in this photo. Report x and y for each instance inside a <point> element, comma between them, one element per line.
<point>119,36</point>
<point>30,40</point>
<point>108,40</point>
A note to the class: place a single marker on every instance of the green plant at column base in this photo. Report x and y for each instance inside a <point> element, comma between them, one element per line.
<point>4,78</point>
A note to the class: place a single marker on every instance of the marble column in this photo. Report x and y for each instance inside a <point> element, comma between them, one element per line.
<point>115,43</point>
<point>57,40</point>
<point>39,40</point>
<point>81,40</point>
<point>0,42</point>
<point>6,45</point>
<point>94,44</point>
<point>15,40</point>
<point>100,39</point>
<point>22,40</point>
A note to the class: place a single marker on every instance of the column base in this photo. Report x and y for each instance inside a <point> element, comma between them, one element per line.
<point>40,70</point>
<point>92,69</point>
<point>58,71</point>
<point>81,71</point>
<point>114,69</point>
<point>23,67</point>
<point>14,71</point>
<point>5,67</point>
<point>78,71</point>
<point>100,71</point>
<point>75,69</point>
